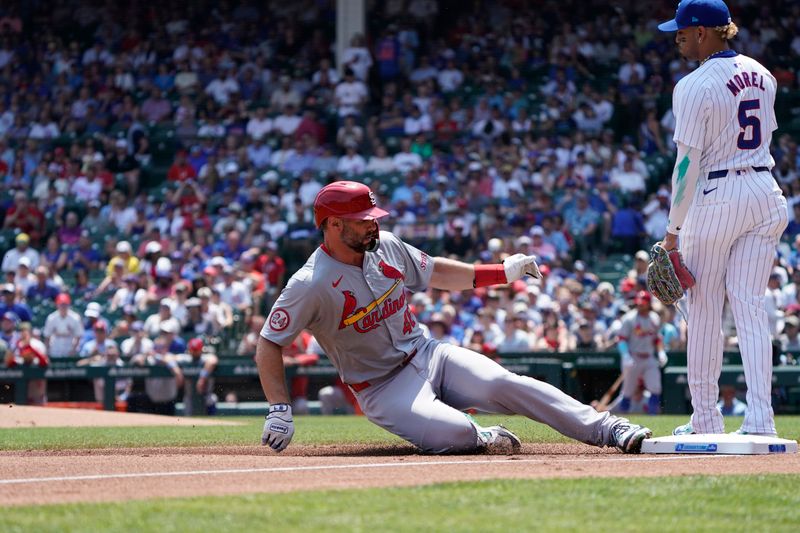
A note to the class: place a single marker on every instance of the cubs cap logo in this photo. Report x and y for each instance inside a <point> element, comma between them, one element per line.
<point>279,320</point>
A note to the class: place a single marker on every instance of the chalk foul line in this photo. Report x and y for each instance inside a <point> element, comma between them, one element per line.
<point>279,469</point>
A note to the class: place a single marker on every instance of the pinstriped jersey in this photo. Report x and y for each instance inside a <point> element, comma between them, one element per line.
<point>359,316</point>
<point>725,108</point>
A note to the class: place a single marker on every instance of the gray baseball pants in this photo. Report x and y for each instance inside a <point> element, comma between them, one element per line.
<point>422,402</point>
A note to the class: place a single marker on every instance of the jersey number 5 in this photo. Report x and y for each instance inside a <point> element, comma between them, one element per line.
<point>749,121</point>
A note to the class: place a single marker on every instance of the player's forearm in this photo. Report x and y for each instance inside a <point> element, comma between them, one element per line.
<point>269,361</point>
<point>451,275</point>
<point>684,183</point>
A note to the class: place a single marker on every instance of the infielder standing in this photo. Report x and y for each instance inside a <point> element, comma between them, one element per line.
<point>727,208</point>
<point>351,294</point>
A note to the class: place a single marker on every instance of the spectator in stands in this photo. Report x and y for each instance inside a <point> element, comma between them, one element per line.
<point>125,257</point>
<point>152,324</point>
<point>581,221</point>
<point>247,346</point>
<point>130,293</point>
<point>351,162</point>
<point>26,350</point>
<point>10,303</point>
<point>259,125</point>
<point>22,249</point>
<point>122,162</point>
<point>138,343</point>
<point>84,257</point>
<point>101,344</point>
<point>405,160</point>
<point>357,57</point>
<point>349,133</point>
<point>112,282</point>
<point>156,108</point>
<point>181,170</point>
<point>380,162</point>
<point>516,338</point>
<point>729,404</point>
<point>119,213</point>
<point>168,330</point>
<point>627,227</point>
<point>284,95</point>
<point>9,334</point>
<point>350,95</point>
<point>43,288</point>
<point>439,328</point>
<point>63,329</point>
<point>68,234</point>
<point>628,179</point>
<point>790,339</point>
<point>24,278</point>
<point>223,310</point>
<point>87,186</point>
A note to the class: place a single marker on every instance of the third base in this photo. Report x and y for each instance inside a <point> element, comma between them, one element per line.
<point>710,444</point>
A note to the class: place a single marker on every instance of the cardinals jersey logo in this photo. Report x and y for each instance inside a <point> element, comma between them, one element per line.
<point>640,331</point>
<point>368,317</point>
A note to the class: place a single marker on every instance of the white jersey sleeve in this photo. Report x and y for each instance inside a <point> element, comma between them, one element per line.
<point>296,309</point>
<point>690,106</point>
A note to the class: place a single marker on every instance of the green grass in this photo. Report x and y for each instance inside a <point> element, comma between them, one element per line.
<point>692,503</point>
<point>310,430</point>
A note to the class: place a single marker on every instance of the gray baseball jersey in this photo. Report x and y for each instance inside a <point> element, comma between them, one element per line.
<point>359,316</point>
<point>641,332</point>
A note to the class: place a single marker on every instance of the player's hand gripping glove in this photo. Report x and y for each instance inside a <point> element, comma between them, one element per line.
<point>518,265</point>
<point>667,275</point>
<point>278,427</point>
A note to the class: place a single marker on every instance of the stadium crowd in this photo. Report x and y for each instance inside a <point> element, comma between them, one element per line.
<point>158,164</point>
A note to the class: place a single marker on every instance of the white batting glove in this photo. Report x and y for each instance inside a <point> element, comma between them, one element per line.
<point>518,265</point>
<point>662,359</point>
<point>278,427</point>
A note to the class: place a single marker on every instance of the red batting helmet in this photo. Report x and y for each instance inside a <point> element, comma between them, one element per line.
<point>346,199</point>
<point>642,297</point>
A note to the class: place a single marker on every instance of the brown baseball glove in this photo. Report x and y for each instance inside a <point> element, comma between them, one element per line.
<point>667,275</point>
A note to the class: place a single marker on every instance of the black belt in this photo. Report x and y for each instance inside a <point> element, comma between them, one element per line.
<point>717,174</point>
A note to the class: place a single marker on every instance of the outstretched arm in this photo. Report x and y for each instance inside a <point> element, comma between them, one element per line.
<point>452,275</point>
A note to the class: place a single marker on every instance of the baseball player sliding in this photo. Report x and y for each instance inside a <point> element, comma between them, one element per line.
<point>351,294</point>
<point>726,207</point>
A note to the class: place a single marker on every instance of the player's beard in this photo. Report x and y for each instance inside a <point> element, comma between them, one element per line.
<point>367,242</point>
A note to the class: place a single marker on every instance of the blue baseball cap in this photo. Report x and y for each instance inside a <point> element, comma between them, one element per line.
<point>708,13</point>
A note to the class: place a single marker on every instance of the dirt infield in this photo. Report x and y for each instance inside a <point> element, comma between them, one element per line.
<point>40,477</point>
<point>17,416</point>
<point>118,475</point>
